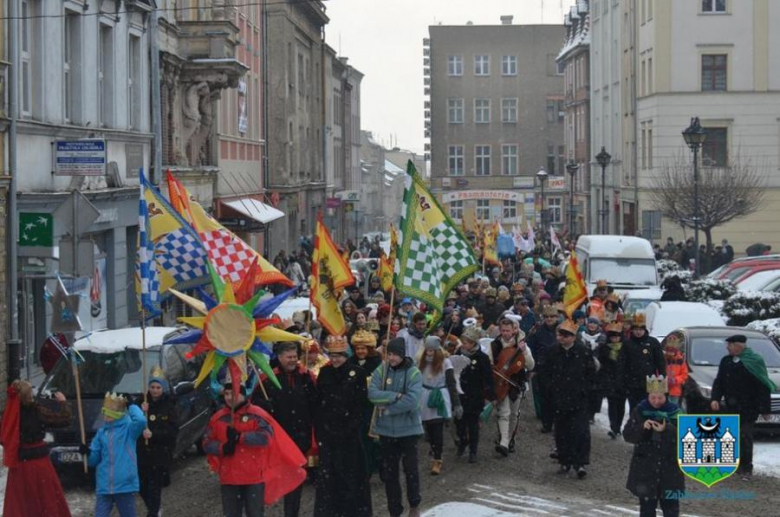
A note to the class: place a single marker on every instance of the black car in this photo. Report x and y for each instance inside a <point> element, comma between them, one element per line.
<point>704,347</point>
<point>113,362</point>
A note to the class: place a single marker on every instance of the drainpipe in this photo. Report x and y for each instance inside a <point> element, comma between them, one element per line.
<point>266,136</point>
<point>156,172</point>
<point>12,215</point>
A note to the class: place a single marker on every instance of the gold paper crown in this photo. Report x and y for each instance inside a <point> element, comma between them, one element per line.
<point>363,337</point>
<point>657,384</point>
<point>157,372</point>
<point>639,320</point>
<point>337,344</point>
<point>613,297</point>
<point>569,326</point>
<point>114,402</point>
<point>601,283</point>
<point>615,326</point>
<point>372,325</point>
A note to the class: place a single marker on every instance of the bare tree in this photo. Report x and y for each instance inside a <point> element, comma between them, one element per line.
<point>725,193</point>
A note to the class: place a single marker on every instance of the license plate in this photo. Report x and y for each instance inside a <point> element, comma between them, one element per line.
<point>70,457</point>
<point>773,419</point>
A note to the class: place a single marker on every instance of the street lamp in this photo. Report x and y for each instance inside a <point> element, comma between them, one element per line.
<point>571,168</point>
<point>694,136</point>
<point>603,159</point>
<point>542,177</point>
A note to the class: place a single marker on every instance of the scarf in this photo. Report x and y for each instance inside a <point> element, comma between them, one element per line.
<point>116,415</point>
<point>415,333</point>
<point>614,350</point>
<point>757,368</point>
<point>668,412</point>
<point>436,401</point>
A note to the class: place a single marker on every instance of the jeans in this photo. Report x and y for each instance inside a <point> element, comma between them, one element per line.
<point>125,504</point>
<point>237,499</point>
<point>152,479</point>
<point>395,450</point>
<point>292,502</point>
<point>572,437</point>
<point>616,407</point>
<point>669,507</point>
<point>434,432</point>
<point>468,431</point>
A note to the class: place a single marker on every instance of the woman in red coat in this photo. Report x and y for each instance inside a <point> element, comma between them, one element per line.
<point>33,488</point>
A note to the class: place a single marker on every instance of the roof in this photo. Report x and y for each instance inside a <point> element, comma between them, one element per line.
<point>618,246</point>
<point>254,209</point>
<point>112,341</point>
<point>577,24</point>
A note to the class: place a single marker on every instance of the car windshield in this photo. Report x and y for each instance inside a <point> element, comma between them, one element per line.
<point>119,372</point>
<point>623,271</point>
<point>736,273</point>
<point>758,280</point>
<point>631,306</point>
<point>709,350</point>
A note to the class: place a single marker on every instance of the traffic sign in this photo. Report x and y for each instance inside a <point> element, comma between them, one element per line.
<point>84,212</point>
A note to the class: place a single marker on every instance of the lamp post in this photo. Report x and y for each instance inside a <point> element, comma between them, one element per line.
<point>694,136</point>
<point>571,168</point>
<point>603,159</point>
<point>542,177</point>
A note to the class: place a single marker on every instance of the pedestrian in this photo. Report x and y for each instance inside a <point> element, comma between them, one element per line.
<point>570,370</point>
<point>439,401</point>
<point>255,459</point>
<point>511,358</point>
<point>158,441</point>
<point>342,483</point>
<point>414,335</point>
<point>743,386</point>
<point>365,356</point>
<point>395,390</point>
<point>542,338</point>
<point>641,357</point>
<point>598,300</point>
<point>612,311</point>
<point>676,368</point>
<point>654,471</point>
<point>113,455</point>
<point>608,377</point>
<point>476,383</point>
<point>491,309</point>
<point>592,336</point>
<point>32,488</point>
<point>292,404</point>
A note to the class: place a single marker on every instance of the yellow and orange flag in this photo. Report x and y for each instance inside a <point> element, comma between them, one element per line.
<point>330,274</point>
<point>491,248</point>
<point>387,263</point>
<point>575,293</point>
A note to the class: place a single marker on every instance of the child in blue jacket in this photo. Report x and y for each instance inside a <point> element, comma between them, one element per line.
<point>112,453</point>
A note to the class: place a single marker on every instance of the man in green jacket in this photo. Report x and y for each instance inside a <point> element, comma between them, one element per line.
<point>395,391</point>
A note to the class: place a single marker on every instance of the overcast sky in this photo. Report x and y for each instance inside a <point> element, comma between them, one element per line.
<point>383,39</point>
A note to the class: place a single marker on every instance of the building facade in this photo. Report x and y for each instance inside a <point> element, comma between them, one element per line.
<point>496,118</point>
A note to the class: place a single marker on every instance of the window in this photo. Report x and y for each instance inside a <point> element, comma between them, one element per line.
<point>644,147</point>
<point>71,66</point>
<point>106,76</point>
<point>715,151</point>
<point>509,65</point>
<point>650,75</point>
<point>644,78</point>
<point>713,6</point>
<point>454,65</point>
<point>561,159</point>
<point>650,147</point>
<point>554,210</point>
<point>509,110</point>
<point>551,160</point>
<point>455,111</point>
<point>713,72</point>
<point>509,159</point>
<point>456,209</point>
<point>26,54</point>
<point>483,209</point>
<point>555,111</point>
<point>455,160</point>
<point>481,111</point>
<point>550,111</point>
<point>134,85</point>
<point>510,209</point>
<point>481,65</point>
<point>482,160</point>
<point>651,224</point>
<point>650,9</point>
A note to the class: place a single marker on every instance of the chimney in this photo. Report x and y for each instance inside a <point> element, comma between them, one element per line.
<point>507,19</point>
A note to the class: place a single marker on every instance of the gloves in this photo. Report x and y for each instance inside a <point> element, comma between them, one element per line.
<point>457,412</point>
<point>229,447</point>
<point>84,449</point>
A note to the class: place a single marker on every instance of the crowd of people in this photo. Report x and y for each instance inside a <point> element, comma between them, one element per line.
<point>349,406</point>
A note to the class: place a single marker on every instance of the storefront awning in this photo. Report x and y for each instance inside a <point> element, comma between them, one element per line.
<point>254,209</point>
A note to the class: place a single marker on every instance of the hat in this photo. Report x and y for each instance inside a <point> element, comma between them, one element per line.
<point>657,384</point>
<point>601,283</point>
<point>544,295</point>
<point>615,328</point>
<point>568,326</point>
<point>549,311</point>
<point>522,300</point>
<point>383,311</point>
<point>452,296</point>
<point>614,298</point>
<point>397,346</point>
<point>471,313</point>
<point>518,286</point>
<point>473,282</point>
<point>372,325</point>
<point>114,406</point>
<point>593,320</point>
<point>432,343</point>
<point>473,333</point>
<point>337,344</point>
<point>737,338</point>
<point>490,292</point>
<point>363,338</point>
<point>312,347</point>
<point>578,314</point>
<point>353,289</point>
<point>639,320</point>
<point>406,300</point>
<point>158,375</point>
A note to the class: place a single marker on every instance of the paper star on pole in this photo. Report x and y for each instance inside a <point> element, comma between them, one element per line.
<point>65,313</point>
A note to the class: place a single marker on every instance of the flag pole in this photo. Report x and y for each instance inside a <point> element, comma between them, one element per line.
<point>145,387</point>
<point>79,407</point>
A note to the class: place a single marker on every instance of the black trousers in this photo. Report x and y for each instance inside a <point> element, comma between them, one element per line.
<point>616,407</point>
<point>152,479</point>
<point>543,402</point>
<point>434,433</point>
<point>292,502</point>
<point>595,397</point>
<point>635,396</point>
<point>572,436</point>
<point>395,451</point>
<point>468,431</point>
<point>243,499</point>
<point>669,507</point>
<point>746,429</point>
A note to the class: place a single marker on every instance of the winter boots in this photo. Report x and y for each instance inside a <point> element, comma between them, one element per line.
<point>435,467</point>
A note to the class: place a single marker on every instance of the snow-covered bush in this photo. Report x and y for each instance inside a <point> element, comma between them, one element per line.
<point>706,289</point>
<point>744,307</point>
<point>667,268</point>
<point>769,327</point>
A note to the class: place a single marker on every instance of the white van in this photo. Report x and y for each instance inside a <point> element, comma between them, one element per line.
<point>626,263</point>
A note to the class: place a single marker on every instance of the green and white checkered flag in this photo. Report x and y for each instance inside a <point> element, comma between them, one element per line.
<point>433,255</point>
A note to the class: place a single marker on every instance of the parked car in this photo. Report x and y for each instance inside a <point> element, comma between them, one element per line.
<point>664,317</point>
<point>704,348</point>
<point>113,362</point>
<point>637,300</point>
<point>766,280</point>
<point>738,267</point>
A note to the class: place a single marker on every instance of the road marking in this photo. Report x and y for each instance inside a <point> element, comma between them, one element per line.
<point>624,510</point>
<point>483,486</point>
<point>512,506</point>
<point>524,500</point>
<point>537,501</point>
<point>602,512</point>
<point>474,490</point>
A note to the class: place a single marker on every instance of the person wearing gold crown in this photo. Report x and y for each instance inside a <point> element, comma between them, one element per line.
<point>597,302</point>
<point>366,357</point>
<point>157,442</point>
<point>654,471</point>
<point>641,356</point>
<point>608,377</point>
<point>569,370</point>
<point>112,453</point>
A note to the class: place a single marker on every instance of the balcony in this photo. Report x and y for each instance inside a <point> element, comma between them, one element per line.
<point>212,39</point>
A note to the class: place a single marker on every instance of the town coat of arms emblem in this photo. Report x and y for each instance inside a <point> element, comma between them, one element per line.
<point>708,447</point>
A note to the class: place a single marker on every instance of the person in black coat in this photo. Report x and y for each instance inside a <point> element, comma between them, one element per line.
<point>742,386</point>
<point>569,369</point>
<point>476,383</point>
<point>654,471</point>
<point>673,290</point>
<point>540,339</point>
<point>640,357</point>
<point>157,443</point>
<point>292,406</point>
<point>342,391</point>
<point>608,378</point>
<point>366,357</point>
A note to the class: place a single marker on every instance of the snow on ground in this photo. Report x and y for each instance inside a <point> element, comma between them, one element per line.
<point>470,509</point>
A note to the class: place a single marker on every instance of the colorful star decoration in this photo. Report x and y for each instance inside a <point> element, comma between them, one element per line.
<point>233,329</point>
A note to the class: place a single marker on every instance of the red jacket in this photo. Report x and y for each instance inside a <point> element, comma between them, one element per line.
<point>264,453</point>
<point>676,372</point>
